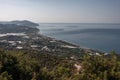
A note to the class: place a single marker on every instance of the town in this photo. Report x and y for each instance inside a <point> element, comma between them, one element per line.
<point>24,37</point>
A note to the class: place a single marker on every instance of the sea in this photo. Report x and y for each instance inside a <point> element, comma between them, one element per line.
<point>99,36</point>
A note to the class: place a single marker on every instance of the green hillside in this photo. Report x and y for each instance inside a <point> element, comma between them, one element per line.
<point>33,65</point>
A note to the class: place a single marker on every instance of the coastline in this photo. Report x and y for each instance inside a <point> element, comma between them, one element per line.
<point>34,40</point>
<point>85,49</point>
<point>95,36</point>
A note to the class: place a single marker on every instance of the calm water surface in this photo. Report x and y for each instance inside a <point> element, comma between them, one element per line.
<point>104,37</point>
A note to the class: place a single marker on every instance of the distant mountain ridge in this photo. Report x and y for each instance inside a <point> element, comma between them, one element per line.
<point>22,23</point>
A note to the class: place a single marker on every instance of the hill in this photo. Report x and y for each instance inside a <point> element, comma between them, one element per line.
<point>34,65</point>
<point>22,23</point>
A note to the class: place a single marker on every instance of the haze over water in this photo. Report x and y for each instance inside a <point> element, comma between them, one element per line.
<point>104,37</point>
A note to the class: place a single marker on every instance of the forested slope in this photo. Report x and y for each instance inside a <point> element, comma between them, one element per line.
<point>33,65</point>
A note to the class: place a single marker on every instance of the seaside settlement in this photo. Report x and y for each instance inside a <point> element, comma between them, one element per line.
<point>25,54</point>
<point>16,35</point>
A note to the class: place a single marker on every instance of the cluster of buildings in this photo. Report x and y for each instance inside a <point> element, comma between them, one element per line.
<point>31,41</point>
<point>40,43</point>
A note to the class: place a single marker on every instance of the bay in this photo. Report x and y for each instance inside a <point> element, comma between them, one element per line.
<point>99,36</point>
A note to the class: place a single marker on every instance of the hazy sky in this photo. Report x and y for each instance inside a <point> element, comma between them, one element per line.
<point>68,11</point>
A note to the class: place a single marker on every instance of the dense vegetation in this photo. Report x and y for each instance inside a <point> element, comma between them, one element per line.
<point>100,67</point>
<point>32,65</point>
